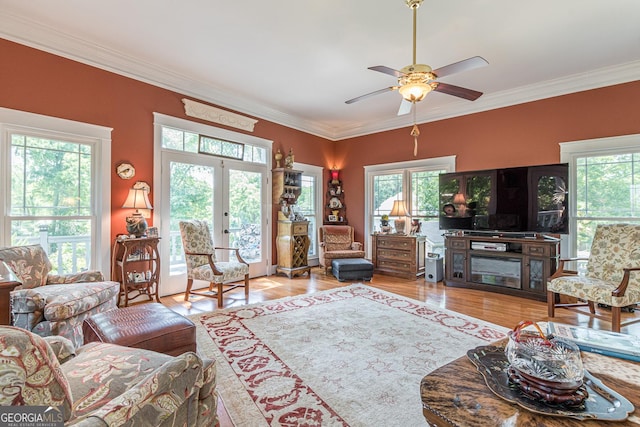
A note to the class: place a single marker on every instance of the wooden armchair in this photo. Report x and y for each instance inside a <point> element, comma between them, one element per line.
<point>202,264</point>
<point>336,242</point>
<point>611,279</point>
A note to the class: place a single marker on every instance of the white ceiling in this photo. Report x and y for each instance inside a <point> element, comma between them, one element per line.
<point>295,63</point>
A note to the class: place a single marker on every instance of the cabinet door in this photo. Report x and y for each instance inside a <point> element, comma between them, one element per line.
<point>535,274</point>
<point>456,265</point>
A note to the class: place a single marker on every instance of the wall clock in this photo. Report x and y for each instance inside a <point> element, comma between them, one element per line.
<point>125,170</point>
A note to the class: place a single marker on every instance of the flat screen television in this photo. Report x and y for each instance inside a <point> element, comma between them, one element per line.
<point>528,199</point>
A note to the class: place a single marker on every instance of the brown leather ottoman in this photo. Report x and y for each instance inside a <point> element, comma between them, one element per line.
<point>150,326</point>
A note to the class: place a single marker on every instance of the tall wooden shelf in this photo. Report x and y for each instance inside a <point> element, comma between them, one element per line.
<point>286,188</point>
<point>292,241</point>
<point>335,210</point>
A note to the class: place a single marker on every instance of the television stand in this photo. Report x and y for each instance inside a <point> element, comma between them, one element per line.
<point>517,265</point>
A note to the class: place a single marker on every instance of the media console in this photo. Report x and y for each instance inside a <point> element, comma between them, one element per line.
<point>515,264</point>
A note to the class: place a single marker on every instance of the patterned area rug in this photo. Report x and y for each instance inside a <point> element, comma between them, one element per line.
<point>351,356</point>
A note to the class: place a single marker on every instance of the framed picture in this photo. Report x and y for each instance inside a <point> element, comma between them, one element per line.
<point>333,218</point>
<point>152,232</point>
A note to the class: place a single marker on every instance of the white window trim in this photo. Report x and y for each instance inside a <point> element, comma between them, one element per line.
<point>318,173</point>
<point>100,137</point>
<point>569,153</point>
<point>447,163</point>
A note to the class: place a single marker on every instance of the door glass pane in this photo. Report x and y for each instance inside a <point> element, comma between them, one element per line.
<point>245,213</point>
<point>191,197</point>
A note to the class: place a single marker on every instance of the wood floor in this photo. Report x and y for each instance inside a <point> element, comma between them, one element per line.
<point>492,307</point>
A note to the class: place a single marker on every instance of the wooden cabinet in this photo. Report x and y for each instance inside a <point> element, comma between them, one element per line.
<point>286,188</point>
<point>335,210</point>
<point>399,255</point>
<point>509,265</point>
<point>136,265</point>
<point>293,246</point>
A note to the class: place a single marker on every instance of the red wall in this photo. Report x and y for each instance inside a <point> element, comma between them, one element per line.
<point>526,134</point>
<point>521,135</point>
<point>42,83</point>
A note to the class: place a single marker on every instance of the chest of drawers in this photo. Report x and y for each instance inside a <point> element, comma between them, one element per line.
<point>399,255</point>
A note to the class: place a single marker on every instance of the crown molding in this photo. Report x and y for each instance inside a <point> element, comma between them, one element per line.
<point>52,40</point>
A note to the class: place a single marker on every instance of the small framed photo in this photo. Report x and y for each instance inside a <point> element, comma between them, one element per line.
<point>333,218</point>
<point>152,232</point>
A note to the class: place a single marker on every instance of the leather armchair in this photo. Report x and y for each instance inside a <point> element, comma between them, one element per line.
<point>336,242</point>
<point>48,304</point>
<point>102,384</point>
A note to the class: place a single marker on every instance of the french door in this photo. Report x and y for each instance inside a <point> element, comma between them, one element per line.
<point>230,195</point>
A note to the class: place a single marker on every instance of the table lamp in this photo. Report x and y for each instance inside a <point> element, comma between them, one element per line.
<point>399,209</point>
<point>137,199</point>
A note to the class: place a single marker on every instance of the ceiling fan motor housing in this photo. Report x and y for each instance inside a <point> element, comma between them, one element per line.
<point>415,83</point>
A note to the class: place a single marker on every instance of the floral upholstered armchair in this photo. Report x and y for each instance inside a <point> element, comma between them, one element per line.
<point>336,241</point>
<point>48,304</point>
<point>612,276</point>
<point>202,263</point>
<point>103,384</point>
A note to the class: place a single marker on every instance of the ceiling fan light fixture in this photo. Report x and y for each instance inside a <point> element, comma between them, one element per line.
<point>415,92</point>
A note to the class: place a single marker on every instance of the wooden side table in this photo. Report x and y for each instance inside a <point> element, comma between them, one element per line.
<point>136,265</point>
<point>8,282</point>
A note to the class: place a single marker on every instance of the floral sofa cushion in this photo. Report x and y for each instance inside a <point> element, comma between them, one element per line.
<point>30,373</point>
<point>112,385</point>
<point>29,263</point>
<point>49,304</point>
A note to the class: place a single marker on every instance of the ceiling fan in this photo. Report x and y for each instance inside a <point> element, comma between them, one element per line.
<point>415,81</point>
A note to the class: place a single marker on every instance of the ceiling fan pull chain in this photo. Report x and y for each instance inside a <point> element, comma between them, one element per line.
<point>415,133</point>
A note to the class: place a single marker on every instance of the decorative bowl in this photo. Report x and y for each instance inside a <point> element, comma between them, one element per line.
<point>549,362</point>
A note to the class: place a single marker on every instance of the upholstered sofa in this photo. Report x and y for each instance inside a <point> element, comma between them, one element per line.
<point>336,242</point>
<point>48,304</point>
<point>102,384</point>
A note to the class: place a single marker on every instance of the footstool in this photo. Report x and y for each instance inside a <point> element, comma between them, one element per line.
<point>150,326</point>
<point>352,269</point>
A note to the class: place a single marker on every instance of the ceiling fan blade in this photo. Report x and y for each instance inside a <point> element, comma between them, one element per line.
<point>458,91</point>
<point>387,70</point>
<point>405,107</point>
<point>460,66</point>
<point>386,89</point>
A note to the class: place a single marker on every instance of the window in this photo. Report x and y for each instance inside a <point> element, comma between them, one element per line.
<point>182,140</point>
<point>414,182</point>
<point>604,177</point>
<point>53,199</point>
<point>309,202</point>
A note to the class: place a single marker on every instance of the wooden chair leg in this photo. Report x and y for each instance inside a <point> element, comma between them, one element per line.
<point>615,319</point>
<point>246,287</point>
<point>189,285</point>
<point>551,303</point>
<point>219,295</point>
<point>592,307</point>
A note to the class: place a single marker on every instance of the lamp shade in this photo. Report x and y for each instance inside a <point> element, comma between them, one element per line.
<point>398,209</point>
<point>414,92</point>
<point>335,173</point>
<point>137,199</point>
<point>459,199</point>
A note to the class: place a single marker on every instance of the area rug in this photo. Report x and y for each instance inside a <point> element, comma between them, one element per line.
<point>351,356</point>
